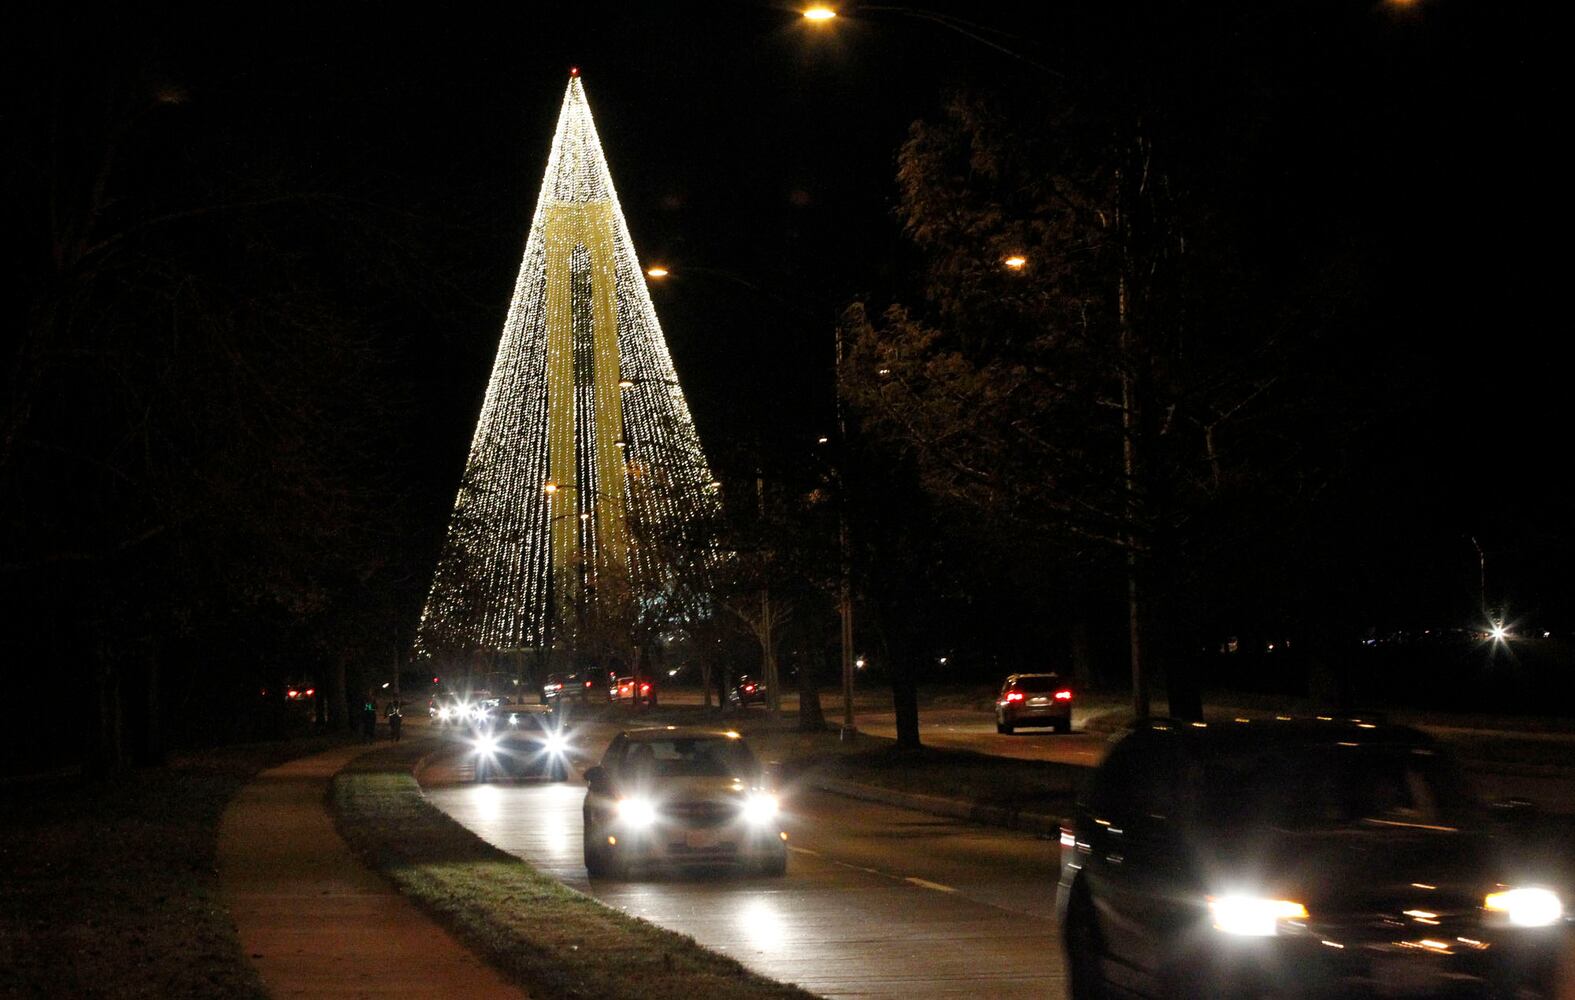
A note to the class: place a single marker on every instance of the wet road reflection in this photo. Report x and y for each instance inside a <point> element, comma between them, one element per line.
<point>877,902</point>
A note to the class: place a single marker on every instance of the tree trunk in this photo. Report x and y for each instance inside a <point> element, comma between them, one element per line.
<point>811,717</point>
<point>106,752</point>
<point>338,696</point>
<point>905,707</point>
<point>705,681</point>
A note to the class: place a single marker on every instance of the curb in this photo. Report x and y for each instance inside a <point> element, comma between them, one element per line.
<point>975,812</point>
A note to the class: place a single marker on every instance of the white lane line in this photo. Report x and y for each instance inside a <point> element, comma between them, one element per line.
<point>910,879</point>
<point>926,884</point>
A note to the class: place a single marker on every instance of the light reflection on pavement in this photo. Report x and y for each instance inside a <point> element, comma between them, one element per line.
<point>877,902</point>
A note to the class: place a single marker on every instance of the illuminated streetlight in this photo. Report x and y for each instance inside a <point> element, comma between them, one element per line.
<point>819,13</point>
<point>549,487</point>
<point>658,272</point>
<point>1016,262</point>
<point>626,383</point>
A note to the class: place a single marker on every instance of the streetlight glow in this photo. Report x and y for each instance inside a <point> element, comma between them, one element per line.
<point>657,272</point>
<point>819,13</point>
<point>1016,262</point>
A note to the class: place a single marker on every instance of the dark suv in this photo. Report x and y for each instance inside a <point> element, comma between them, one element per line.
<point>1296,858</point>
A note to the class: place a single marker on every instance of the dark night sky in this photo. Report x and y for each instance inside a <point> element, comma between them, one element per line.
<point>741,142</point>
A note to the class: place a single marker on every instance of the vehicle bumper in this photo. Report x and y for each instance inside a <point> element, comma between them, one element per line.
<point>1315,966</point>
<point>1034,715</point>
<point>733,844</point>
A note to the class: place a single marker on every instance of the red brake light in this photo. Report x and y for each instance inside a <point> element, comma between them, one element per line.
<point>1063,695</point>
<point>645,689</point>
<point>310,692</point>
<point>587,683</point>
<point>1014,695</point>
<point>749,687</point>
<point>292,693</point>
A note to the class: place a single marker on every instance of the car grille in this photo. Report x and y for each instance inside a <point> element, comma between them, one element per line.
<point>700,814</point>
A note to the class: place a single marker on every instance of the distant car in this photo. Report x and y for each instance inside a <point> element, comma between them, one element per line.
<point>1305,858</point>
<point>1034,700</point>
<point>578,686</point>
<point>516,741</point>
<point>747,691</point>
<point>681,796</point>
<point>632,691</point>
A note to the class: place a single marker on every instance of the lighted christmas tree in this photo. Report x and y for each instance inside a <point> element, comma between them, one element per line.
<point>586,486</point>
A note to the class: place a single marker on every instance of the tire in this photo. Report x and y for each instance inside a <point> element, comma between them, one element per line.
<point>595,859</point>
<point>1002,727</point>
<point>1085,972</point>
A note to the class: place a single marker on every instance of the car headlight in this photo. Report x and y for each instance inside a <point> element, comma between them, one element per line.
<point>1525,907</point>
<point>760,808</point>
<point>1253,916</point>
<point>486,745</point>
<point>444,713</point>
<point>636,812</point>
<point>556,744</point>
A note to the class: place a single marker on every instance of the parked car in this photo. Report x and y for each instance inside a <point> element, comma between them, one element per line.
<point>746,692</point>
<point>681,796</point>
<point>517,741</point>
<point>632,691</point>
<point>1300,858</point>
<point>1034,700</point>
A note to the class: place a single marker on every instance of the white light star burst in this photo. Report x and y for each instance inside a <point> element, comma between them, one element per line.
<point>585,467</point>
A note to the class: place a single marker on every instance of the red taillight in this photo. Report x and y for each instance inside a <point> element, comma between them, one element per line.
<point>292,693</point>
<point>645,689</point>
<point>1063,695</point>
<point>749,688</point>
<point>1014,695</point>
<point>587,683</point>
<point>310,692</point>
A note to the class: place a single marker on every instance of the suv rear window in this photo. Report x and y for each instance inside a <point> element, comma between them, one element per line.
<point>1038,685</point>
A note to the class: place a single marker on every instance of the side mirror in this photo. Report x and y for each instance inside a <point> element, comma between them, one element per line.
<point>596,776</point>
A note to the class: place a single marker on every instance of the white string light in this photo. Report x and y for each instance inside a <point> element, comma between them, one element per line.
<point>584,446</point>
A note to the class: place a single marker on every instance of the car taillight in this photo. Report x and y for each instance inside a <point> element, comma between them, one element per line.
<point>587,683</point>
<point>1014,696</point>
<point>1063,695</point>
<point>292,693</point>
<point>749,688</point>
<point>645,689</point>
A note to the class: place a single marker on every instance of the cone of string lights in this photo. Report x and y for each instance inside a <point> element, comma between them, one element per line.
<point>585,487</point>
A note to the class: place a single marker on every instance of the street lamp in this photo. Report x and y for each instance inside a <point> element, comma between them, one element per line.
<point>819,13</point>
<point>1016,262</point>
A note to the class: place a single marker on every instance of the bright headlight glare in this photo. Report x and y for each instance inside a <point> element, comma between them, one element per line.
<point>636,812</point>
<point>1252,916</point>
<point>443,713</point>
<point>556,743</point>
<point>1526,907</point>
<point>487,746</point>
<point>760,808</point>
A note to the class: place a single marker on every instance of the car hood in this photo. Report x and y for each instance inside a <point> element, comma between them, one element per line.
<point>1362,868</point>
<point>693,789</point>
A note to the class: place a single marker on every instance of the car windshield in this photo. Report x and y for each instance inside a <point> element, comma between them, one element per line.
<point>1038,685</point>
<point>1301,787</point>
<point>696,758</point>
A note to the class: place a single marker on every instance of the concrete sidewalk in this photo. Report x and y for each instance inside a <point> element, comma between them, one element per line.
<point>313,919</point>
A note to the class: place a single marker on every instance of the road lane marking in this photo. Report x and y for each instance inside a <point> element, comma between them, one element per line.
<point>926,884</point>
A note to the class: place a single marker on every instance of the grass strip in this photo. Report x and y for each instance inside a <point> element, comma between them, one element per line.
<point>110,888</point>
<point>551,940</point>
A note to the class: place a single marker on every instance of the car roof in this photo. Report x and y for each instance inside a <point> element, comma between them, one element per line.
<point>1283,730</point>
<point>679,733</point>
<point>1014,677</point>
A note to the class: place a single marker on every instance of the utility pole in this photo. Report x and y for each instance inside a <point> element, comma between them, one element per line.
<point>845,583</point>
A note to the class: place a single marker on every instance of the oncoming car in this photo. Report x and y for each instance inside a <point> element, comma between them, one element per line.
<point>1297,858</point>
<point>681,797</point>
<point>517,741</point>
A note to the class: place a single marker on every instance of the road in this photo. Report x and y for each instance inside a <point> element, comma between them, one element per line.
<point>877,902</point>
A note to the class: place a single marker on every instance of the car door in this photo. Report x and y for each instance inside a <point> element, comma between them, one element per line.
<point>1137,858</point>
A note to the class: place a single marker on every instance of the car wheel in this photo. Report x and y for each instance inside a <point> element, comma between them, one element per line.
<point>1005,727</point>
<point>595,859</point>
<point>1085,973</point>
